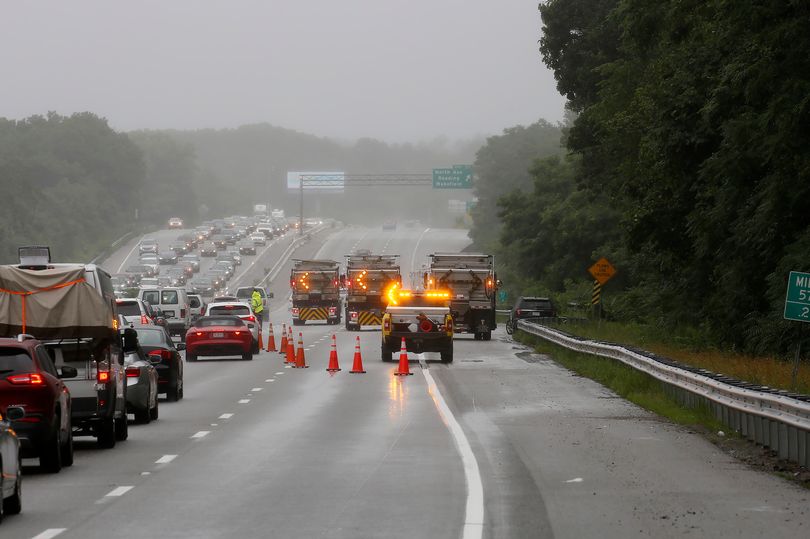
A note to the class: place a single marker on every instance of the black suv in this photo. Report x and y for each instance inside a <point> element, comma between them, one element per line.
<point>29,379</point>
<point>533,307</point>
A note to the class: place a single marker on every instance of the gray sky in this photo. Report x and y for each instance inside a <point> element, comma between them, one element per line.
<point>398,70</point>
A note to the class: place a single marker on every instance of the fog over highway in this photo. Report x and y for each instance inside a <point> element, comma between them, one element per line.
<point>256,449</point>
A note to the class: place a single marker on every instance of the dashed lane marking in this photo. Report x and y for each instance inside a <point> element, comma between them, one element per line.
<point>165,459</point>
<point>225,416</point>
<point>201,434</point>
<point>49,533</point>
<point>574,480</point>
<point>120,491</point>
<point>244,401</point>
<point>270,380</point>
<point>257,389</point>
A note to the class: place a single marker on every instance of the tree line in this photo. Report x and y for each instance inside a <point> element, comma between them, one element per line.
<point>685,164</point>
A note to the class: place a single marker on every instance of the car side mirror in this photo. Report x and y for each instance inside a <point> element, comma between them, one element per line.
<point>68,372</point>
<point>15,413</point>
<point>129,340</point>
<point>180,346</point>
<point>270,295</point>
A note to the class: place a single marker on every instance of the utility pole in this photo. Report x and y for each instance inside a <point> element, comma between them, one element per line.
<point>300,205</point>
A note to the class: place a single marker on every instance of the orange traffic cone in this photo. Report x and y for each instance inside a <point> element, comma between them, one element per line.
<point>261,341</point>
<point>403,361</point>
<point>271,339</point>
<point>283,348</point>
<point>333,359</point>
<point>300,360</point>
<point>357,368</point>
<point>290,348</point>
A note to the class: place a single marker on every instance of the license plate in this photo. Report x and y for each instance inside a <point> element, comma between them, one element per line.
<point>217,335</point>
<point>169,314</point>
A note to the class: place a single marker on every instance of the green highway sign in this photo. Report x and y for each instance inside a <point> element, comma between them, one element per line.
<point>797,299</point>
<point>458,177</point>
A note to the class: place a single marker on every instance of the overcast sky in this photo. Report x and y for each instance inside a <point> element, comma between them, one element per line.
<point>397,70</point>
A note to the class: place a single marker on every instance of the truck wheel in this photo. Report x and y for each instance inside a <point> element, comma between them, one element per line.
<point>387,353</point>
<point>487,335</point>
<point>50,459</point>
<point>106,434</point>
<point>13,504</point>
<point>298,322</point>
<point>477,336</point>
<point>447,355</point>
<point>121,428</point>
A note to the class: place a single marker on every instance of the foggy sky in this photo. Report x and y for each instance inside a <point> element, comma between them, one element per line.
<point>397,70</point>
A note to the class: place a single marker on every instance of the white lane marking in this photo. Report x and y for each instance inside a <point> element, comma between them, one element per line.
<point>244,401</point>
<point>474,516</point>
<point>165,459</point>
<point>279,372</point>
<point>270,380</point>
<point>120,491</point>
<point>49,533</point>
<point>257,389</point>
<point>413,255</point>
<point>201,434</point>
<point>124,263</point>
<point>214,424</point>
<point>146,473</point>
<point>574,480</point>
<point>225,416</point>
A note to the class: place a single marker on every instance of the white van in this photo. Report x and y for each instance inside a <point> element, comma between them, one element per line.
<point>174,304</point>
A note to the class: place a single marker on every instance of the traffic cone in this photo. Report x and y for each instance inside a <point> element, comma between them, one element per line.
<point>403,361</point>
<point>261,341</point>
<point>271,339</point>
<point>300,360</point>
<point>283,348</point>
<point>357,368</point>
<point>333,359</point>
<point>290,348</point>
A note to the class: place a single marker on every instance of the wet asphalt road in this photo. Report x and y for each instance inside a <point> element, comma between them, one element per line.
<point>260,450</point>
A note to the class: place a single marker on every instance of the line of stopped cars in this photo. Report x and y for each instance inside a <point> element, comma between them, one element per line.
<point>67,372</point>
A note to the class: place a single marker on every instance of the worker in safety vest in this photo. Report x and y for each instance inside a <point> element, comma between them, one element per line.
<point>258,306</point>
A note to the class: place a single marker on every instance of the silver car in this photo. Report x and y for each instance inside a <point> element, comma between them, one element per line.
<point>10,468</point>
<point>142,386</point>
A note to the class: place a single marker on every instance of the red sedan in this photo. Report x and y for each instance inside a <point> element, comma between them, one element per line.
<point>221,335</point>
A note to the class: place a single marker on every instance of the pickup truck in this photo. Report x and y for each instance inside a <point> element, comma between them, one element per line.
<point>422,318</point>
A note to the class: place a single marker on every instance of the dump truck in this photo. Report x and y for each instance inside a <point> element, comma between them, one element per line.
<point>367,280</point>
<point>473,285</point>
<point>315,291</point>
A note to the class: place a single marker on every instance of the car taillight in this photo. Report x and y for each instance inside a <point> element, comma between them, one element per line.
<point>332,310</point>
<point>250,318</point>
<point>133,372</point>
<point>26,379</point>
<point>199,333</point>
<point>237,332</point>
<point>102,377</point>
<point>387,325</point>
<point>517,312</point>
<point>182,313</point>
<point>295,311</point>
<point>163,354</point>
<point>144,319</point>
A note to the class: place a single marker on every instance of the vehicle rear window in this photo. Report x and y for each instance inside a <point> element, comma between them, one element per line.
<point>152,296</point>
<point>129,308</point>
<point>235,310</point>
<point>169,297</point>
<point>151,337</point>
<point>15,360</point>
<point>544,305</point>
<point>219,321</point>
<point>244,293</point>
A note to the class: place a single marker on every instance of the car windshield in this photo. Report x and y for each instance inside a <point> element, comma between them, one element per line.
<point>218,321</point>
<point>14,360</point>
<point>129,308</point>
<point>151,337</point>
<point>539,304</point>
<point>237,310</point>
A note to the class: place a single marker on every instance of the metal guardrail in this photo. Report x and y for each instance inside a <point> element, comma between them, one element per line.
<point>772,418</point>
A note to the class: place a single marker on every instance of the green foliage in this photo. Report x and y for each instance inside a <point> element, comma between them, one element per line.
<point>501,166</point>
<point>693,127</point>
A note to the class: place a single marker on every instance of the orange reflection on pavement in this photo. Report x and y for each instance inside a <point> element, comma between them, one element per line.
<point>397,393</point>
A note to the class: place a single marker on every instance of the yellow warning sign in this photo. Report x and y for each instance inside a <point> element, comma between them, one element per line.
<point>602,271</point>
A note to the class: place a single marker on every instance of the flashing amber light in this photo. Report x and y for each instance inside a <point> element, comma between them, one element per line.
<point>115,323</point>
<point>392,294</point>
<point>103,376</point>
<point>438,294</point>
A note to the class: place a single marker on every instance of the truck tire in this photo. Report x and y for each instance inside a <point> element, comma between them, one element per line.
<point>143,417</point>
<point>487,335</point>
<point>386,353</point>
<point>121,428</point>
<point>477,336</point>
<point>447,354</point>
<point>106,434</point>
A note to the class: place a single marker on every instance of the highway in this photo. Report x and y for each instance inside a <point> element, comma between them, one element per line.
<point>503,443</point>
